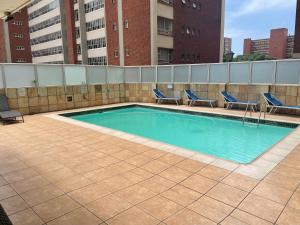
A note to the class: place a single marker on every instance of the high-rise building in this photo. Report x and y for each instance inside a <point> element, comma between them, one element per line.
<point>280,45</point>
<point>119,32</point>
<point>297,32</point>
<point>227,45</point>
<point>14,38</point>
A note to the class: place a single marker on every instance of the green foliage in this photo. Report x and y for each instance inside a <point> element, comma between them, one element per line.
<point>252,57</point>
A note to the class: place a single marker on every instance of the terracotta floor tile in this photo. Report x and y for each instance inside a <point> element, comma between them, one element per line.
<point>13,205</point>
<point>72,183</point>
<point>282,181</point>
<point>240,181</point>
<point>289,216</point>
<point>135,194</point>
<point>29,184</point>
<point>155,166</point>
<point>139,160</point>
<point>181,195</point>
<point>40,195</point>
<point>233,221</point>
<point>246,218</point>
<point>214,172</point>
<point>133,216</point>
<point>294,202</point>
<point>188,217</point>
<point>157,184</point>
<point>55,208</point>
<point>77,217</point>
<point>59,175</point>
<point>2,181</point>
<point>154,153</point>
<point>171,158</point>
<point>108,206</point>
<point>90,193</point>
<point>175,174</point>
<point>6,192</point>
<point>212,209</point>
<point>199,183</point>
<point>26,217</point>
<point>261,207</point>
<point>142,173</point>
<point>117,183</point>
<point>20,175</point>
<point>160,207</point>
<point>273,192</point>
<point>191,165</point>
<point>227,194</point>
<point>124,154</point>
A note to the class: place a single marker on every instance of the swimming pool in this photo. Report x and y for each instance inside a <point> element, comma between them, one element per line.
<point>221,137</point>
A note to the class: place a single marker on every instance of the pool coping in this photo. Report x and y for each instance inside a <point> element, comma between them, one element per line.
<point>257,169</point>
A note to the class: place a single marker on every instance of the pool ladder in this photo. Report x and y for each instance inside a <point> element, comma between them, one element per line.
<point>250,109</point>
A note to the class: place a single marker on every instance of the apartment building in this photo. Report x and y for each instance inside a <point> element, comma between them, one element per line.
<point>14,38</point>
<point>280,45</point>
<point>227,45</point>
<point>297,32</point>
<point>132,32</point>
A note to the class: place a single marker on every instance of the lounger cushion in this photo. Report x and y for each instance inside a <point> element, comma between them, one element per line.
<point>191,95</point>
<point>3,103</point>
<point>158,93</point>
<point>272,100</point>
<point>10,114</point>
<point>228,97</point>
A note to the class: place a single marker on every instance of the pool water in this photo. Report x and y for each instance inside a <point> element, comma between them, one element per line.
<point>216,136</point>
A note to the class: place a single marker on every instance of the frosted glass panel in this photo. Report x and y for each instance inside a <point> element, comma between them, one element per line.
<point>50,75</point>
<point>239,73</point>
<point>17,76</point>
<point>199,74</point>
<point>181,74</point>
<point>288,72</point>
<point>164,74</point>
<point>148,75</point>
<point>115,75</point>
<point>96,74</point>
<point>262,72</point>
<point>219,73</point>
<point>1,79</point>
<point>75,75</point>
<point>132,74</point>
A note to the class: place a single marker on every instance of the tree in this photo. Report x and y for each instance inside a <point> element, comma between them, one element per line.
<point>252,57</point>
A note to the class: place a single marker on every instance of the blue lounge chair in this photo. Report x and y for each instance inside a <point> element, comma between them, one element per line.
<point>230,101</point>
<point>192,98</point>
<point>273,103</point>
<point>5,113</point>
<point>159,97</point>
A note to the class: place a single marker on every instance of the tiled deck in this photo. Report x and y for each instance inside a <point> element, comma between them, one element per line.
<point>56,173</point>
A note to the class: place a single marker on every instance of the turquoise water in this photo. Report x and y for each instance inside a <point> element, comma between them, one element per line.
<point>219,137</point>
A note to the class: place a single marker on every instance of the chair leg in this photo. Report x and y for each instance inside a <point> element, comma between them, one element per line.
<point>23,118</point>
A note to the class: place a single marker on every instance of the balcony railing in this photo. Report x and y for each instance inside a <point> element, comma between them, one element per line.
<point>167,2</point>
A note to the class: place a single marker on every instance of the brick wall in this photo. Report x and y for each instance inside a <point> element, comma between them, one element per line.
<point>247,46</point>
<point>137,36</point>
<point>278,43</point>
<point>2,42</point>
<point>20,16</point>
<point>208,20</point>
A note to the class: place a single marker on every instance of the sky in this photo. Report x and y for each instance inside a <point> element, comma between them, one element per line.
<point>255,18</point>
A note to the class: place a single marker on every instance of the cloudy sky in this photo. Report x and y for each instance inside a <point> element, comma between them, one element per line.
<point>254,19</point>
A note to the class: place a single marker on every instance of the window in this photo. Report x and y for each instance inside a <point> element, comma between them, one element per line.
<point>93,5</point>
<point>20,48</point>
<point>96,43</point>
<point>97,60</point>
<point>77,32</point>
<point>168,2</point>
<point>183,2</point>
<point>78,48</point>
<point>127,52</point>
<point>18,35</point>
<point>17,23</point>
<point>182,57</point>
<point>47,8</point>
<point>164,26</point>
<point>113,1</point>
<point>47,51</point>
<point>46,38</point>
<point>188,31</point>
<point>165,55</point>
<point>116,53</point>
<point>126,24</point>
<point>76,15</point>
<point>95,24</point>
<point>194,5</point>
<point>193,31</point>
<point>114,26</point>
<point>45,24</point>
<point>21,60</point>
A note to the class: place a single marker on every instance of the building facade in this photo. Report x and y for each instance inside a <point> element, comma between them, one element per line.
<point>297,32</point>
<point>131,32</point>
<point>280,45</point>
<point>227,46</point>
<point>14,39</point>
